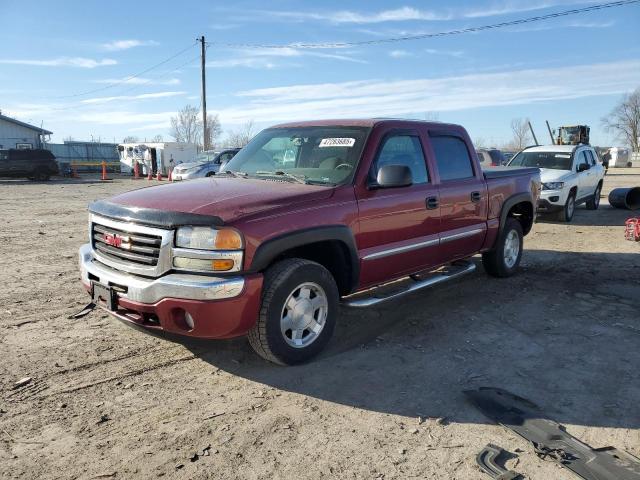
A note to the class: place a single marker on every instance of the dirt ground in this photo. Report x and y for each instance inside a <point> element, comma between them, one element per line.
<point>109,401</point>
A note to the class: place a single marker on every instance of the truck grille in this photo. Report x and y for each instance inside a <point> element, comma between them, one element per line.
<point>121,245</point>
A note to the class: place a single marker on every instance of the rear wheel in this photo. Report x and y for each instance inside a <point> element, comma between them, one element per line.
<point>594,203</point>
<point>298,313</point>
<point>566,214</point>
<point>504,260</point>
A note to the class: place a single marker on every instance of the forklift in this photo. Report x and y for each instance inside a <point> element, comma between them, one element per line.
<point>570,135</point>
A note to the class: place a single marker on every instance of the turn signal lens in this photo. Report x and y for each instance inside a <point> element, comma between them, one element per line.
<point>222,265</point>
<point>227,239</point>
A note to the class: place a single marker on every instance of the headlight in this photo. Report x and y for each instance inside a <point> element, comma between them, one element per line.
<point>207,238</point>
<point>553,186</point>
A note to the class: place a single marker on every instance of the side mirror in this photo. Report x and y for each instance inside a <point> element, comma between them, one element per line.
<point>394,176</point>
<point>582,167</point>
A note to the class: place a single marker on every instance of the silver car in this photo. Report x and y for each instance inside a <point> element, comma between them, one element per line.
<point>204,165</point>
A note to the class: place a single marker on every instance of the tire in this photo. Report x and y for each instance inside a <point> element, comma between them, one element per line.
<point>503,261</point>
<point>210,174</point>
<point>295,282</point>
<point>566,214</point>
<point>594,203</point>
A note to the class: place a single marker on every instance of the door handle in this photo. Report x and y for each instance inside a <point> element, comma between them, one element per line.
<point>432,203</point>
<point>475,196</point>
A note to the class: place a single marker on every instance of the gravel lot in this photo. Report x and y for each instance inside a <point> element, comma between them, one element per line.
<point>109,401</point>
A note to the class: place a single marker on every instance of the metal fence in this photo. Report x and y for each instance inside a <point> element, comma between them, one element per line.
<point>85,156</point>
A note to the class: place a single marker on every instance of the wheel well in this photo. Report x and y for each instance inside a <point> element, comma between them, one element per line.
<point>574,190</point>
<point>331,254</point>
<point>523,213</point>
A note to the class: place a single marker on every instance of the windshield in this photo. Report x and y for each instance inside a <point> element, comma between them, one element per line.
<point>553,160</point>
<point>205,157</point>
<point>318,155</point>
<point>570,135</point>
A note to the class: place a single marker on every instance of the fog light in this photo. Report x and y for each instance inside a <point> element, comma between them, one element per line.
<point>554,198</point>
<point>222,265</point>
<point>188,319</point>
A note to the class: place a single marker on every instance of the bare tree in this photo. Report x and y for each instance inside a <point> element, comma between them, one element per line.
<point>521,133</point>
<point>157,139</point>
<point>480,142</point>
<point>624,120</point>
<point>130,139</point>
<point>214,129</point>
<point>187,127</point>
<point>239,138</point>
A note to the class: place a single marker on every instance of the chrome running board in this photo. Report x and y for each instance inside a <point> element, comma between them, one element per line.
<point>404,286</point>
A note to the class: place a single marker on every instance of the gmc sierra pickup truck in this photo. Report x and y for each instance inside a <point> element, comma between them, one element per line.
<point>306,217</point>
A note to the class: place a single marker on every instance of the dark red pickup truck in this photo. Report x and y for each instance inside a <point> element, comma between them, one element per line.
<point>306,217</point>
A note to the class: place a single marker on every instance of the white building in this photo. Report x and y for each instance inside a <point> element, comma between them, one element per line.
<point>17,134</point>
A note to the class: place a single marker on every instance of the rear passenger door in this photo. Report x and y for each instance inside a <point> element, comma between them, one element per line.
<point>463,196</point>
<point>398,227</point>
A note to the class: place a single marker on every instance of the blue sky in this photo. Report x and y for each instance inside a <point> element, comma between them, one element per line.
<point>58,64</point>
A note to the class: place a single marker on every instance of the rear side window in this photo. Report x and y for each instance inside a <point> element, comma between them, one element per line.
<point>404,150</point>
<point>452,157</point>
<point>4,155</point>
<point>592,158</point>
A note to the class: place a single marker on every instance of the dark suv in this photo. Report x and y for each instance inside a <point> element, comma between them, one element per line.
<point>33,164</point>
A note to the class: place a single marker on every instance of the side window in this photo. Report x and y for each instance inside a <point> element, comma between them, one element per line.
<point>4,155</point>
<point>582,159</point>
<point>452,157</point>
<point>592,158</point>
<point>404,150</point>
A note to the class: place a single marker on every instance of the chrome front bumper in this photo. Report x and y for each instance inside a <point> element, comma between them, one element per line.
<point>152,290</point>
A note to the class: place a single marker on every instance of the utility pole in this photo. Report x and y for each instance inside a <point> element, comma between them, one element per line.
<point>205,139</point>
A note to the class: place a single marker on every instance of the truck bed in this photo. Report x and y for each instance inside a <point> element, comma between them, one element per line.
<point>502,172</point>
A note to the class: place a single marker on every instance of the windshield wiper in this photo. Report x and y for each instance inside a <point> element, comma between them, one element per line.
<point>234,174</point>
<point>279,173</point>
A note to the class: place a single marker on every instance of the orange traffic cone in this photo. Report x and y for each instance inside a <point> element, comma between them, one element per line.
<point>159,177</point>
<point>170,178</point>
<point>104,171</point>
<point>136,171</point>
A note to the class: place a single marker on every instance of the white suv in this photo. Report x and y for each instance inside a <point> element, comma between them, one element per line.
<point>570,174</point>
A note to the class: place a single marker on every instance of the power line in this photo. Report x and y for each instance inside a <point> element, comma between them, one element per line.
<point>538,18</point>
<point>131,77</point>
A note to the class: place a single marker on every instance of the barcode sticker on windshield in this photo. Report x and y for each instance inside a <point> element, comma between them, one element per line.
<point>562,155</point>
<point>337,142</point>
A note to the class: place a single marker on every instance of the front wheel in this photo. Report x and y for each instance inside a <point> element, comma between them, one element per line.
<point>298,312</point>
<point>594,203</point>
<point>503,261</point>
<point>566,214</point>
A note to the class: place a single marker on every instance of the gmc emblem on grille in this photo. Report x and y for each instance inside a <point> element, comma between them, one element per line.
<point>114,240</point>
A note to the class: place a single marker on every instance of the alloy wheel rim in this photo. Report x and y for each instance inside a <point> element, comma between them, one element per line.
<point>304,315</point>
<point>511,249</point>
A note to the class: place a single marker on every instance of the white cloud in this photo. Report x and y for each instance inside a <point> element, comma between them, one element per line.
<point>408,13</point>
<point>448,53</point>
<point>143,96</point>
<point>139,81</point>
<point>400,54</point>
<point>124,117</point>
<point>266,58</point>
<point>79,62</point>
<point>118,45</point>
<point>349,16</point>
<point>376,97</point>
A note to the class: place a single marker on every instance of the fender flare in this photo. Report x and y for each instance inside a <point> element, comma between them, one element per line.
<point>510,202</point>
<point>271,249</point>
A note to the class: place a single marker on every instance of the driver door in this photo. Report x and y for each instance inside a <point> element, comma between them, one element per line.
<point>399,227</point>
<point>584,177</point>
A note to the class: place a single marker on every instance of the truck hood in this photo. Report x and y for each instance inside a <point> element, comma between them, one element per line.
<point>226,198</point>
<point>554,175</point>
